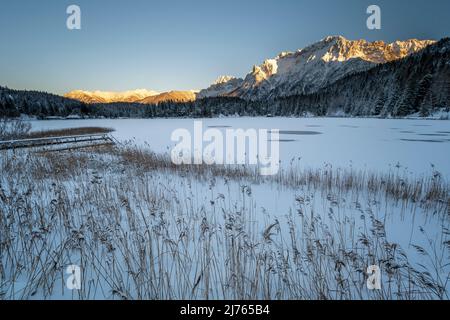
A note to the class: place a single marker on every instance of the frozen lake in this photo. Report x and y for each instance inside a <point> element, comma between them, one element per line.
<point>373,144</point>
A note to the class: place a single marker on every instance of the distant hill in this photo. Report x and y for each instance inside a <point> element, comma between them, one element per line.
<point>135,96</point>
<point>107,97</point>
<point>172,96</point>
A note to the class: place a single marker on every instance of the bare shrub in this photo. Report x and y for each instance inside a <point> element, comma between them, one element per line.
<point>13,129</point>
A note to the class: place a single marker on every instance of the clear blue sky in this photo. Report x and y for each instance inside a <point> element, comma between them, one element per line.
<point>183,44</point>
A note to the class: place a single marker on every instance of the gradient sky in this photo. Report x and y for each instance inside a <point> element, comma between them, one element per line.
<point>183,44</point>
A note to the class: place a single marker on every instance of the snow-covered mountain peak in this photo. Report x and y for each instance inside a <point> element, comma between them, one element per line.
<point>304,71</point>
<point>284,54</point>
<point>267,69</point>
<point>98,96</point>
<point>221,87</point>
<point>313,67</point>
<point>223,79</point>
<point>334,38</point>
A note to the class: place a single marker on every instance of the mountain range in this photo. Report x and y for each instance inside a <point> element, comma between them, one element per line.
<point>334,77</point>
<point>302,72</point>
<point>312,68</point>
<point>133,96</point>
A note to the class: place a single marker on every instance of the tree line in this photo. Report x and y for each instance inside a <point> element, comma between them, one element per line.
<point>418,84</point>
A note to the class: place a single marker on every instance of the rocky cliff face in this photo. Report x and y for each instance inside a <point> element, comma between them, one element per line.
<point>312,68</point>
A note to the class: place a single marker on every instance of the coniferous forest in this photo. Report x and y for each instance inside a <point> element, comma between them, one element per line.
<point>416,85</point>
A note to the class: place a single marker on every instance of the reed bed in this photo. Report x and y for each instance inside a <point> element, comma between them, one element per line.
<point>394,184</point>
<point>142,228</point>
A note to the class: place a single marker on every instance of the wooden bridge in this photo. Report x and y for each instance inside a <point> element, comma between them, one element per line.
<point>59,143</point>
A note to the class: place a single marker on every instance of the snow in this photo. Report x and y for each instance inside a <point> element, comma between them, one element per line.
<point>222,86</point>
<point>373,144</point>
<point>138,94</point>
<point>223,79</point>
<point>442,114</point>
<point>321,63</point>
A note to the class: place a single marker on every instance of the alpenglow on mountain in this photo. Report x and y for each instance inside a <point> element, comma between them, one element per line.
<point>305,71</point>
<point>107,97</point>
<point>312,68</point>
<point>142,96</point>
<point>418,85</point>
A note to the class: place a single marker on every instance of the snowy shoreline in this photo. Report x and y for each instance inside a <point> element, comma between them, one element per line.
<point>141,228</point>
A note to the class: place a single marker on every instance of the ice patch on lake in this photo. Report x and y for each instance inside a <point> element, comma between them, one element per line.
<point>360,143</point>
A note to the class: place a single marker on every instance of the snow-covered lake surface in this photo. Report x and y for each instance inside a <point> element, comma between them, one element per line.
<point>372,144</point>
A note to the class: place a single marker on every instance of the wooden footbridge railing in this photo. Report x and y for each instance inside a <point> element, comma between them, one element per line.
<point>59,143</point>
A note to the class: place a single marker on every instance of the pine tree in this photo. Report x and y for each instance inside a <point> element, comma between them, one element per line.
<point>379,106</point>
<point>405,105</point>
<point>394,96</point>
<point>422,91</point>
<point>447,102</point>
<point>426,105</point>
